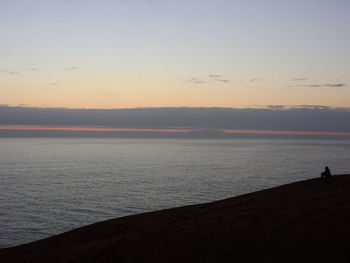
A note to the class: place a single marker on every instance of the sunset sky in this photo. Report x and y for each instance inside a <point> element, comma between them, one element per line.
<point>167,53</point>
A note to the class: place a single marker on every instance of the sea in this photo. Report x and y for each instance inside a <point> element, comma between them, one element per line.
<point>52,185</point>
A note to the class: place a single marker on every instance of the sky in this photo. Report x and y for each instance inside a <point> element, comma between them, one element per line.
<point>103,54</point>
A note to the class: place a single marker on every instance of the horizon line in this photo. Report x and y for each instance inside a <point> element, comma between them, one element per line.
<point>252,107</point>
<point>167,130</point>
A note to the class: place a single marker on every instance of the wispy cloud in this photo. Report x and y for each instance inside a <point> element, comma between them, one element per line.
<point>291,107</point>
<point>327,85</point>
<point>275,107</point>
<point>218,78</point>
<point>212,78</point>
<point>255,80</point>
<point>32,69</point>
<point>312,85</point>
<point>197,81</point>
<point>223,80</point>
<point>330,85</point>
<point>336,85</point>
<point>319,107</point>
<point>9,72</point>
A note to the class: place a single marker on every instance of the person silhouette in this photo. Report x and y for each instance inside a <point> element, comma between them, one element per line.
<point>326,173</point>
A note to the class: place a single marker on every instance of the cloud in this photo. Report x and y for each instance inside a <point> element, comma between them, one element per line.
<point>320,107</point>
<point>223,80</point>
<point>294,107</point>
<point>214,76</point>
<point>211,79</point>
<point>300,79</point>
<point>330,85</point>
<point>336,85</point>
<point>9,72</point>
<point>277,107</point>
<point>197,81</point>
<point>32,69</point>
<point>205,81</point>
<point>313,86</point>
<point>255,80</point>
<point>273,117</point>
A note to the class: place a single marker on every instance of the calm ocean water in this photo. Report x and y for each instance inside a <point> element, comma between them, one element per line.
<point>48,186</point>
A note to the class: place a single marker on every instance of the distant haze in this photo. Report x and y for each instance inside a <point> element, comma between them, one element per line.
<point>321,119</point>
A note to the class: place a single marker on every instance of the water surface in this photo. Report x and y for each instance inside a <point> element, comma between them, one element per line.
<point>51,185</point>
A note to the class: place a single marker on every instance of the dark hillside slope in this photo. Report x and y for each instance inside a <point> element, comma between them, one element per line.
<point>307,221</point>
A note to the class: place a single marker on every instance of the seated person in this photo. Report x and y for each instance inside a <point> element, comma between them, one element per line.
<point>326,173</point>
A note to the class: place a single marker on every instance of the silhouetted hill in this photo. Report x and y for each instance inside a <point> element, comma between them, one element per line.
<point>307,221</point>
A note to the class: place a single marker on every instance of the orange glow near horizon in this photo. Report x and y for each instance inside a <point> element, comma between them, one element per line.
<point>86,128</point>
<point>165,130</point>
<point>274,132</point>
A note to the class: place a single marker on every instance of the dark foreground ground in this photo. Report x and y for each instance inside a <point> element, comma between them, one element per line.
<point>307,221</point>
